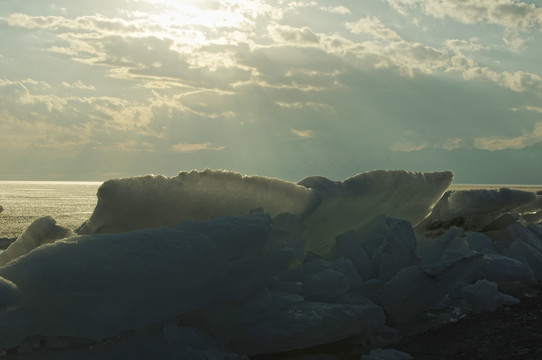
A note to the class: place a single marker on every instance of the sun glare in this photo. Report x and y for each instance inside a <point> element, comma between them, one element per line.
<point>207,14</point>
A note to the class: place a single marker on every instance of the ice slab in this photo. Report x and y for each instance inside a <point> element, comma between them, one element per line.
<point>327,208</point>
<point>100,285</point>
<point>153,201</point>
<point>354,202</point>
<point>476,210</point>
<point>43,230</point>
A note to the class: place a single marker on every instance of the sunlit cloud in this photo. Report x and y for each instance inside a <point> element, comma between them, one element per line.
<point>373,26</point>
<point>528,138</point>
<point>127,146</point>
<point>298,105</point>
<point>514,42</point>
<point>140,76</point>
<point>78,85</point>
<point>405,146</point>
<point>304,134</point>
<point>506,13</point>
<point>452,144</point>
<point>337,9</point>
<point>182,147</point>
<point>534,108</point>
<point>291,35</point>
<point>459,46</point>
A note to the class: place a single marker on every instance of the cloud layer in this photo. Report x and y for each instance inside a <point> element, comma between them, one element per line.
<point>239,84</point>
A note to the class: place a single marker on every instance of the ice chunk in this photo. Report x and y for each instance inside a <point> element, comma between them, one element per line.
<point>325,280</point>
<point>484,296</point>
<point>398,250</point>
<point>536,229</point>
<point>532,207</point>
<point>469,202</point>
<point>153,201</point>
<point>415,290</point>
<point>42,231</point>
<point>10,294</point>
<point>474,210</point>
<point>478,241</point>
<point>297,325</point>
<point>526,247</point>
<point>97,286</point>
<point>354,202</point>
<point>346,247</point>
<point>499,268</point>
<point>372,235</point>
<point>13,322</point>
<point>448,245</point>
<point>172,342</point>
<point>386,354</point>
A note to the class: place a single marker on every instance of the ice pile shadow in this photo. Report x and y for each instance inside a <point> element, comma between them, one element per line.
<point>213,264</point>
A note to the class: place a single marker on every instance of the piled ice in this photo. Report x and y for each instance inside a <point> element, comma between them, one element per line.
<point>483,210</point>
<point>214,265</point>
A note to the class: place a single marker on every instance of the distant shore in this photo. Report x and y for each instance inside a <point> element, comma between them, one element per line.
<point>533,188</point>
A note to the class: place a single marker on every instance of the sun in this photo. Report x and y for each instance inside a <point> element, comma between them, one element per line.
<point>208,14</point>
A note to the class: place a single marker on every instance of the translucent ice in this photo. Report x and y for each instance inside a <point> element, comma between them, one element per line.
<point>327,208</point>
<point>354,202</point>
<point>153,201</point>
<point>476,210</point>
<point>42,231</point>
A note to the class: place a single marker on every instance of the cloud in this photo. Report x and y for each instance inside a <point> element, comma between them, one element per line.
<point>304,134</point>
<point>534,108</point>
<point>406,146</point>
<point>78,85</point>
<point>452,144</point>
<point>506,13</point>
<point>291,35</point>
<point>518,81</point>
<point>528,138</point>
<point>373,26</point>
<point>187,148</point>
<point>294,6</point>
<point>514,42</point>
<point>459,46</point>
<point>126,146</point>
<point>19,134</point>
<point>336,9</point>
<point>298,105</point>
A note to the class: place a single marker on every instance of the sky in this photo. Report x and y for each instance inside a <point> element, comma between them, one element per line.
<point>92,90</point>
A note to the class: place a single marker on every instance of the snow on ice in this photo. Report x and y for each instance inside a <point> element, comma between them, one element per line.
<point>216,265</point>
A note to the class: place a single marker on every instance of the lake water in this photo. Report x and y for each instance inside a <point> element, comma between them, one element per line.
<point>71,203</point>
